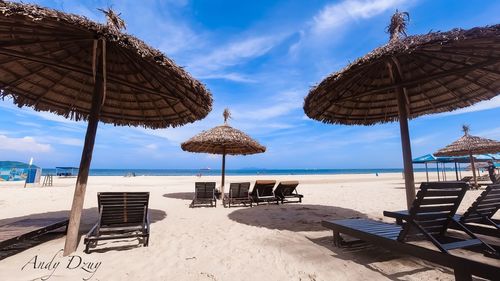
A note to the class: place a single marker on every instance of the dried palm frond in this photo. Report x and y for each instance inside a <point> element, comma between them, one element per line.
<point>227,115</point>
<point>398,25</point>
<point>114,20</point>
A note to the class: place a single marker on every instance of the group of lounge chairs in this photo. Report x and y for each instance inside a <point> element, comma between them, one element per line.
<point>431,215</point>
<point>239,193</point>
<point>484,179</point>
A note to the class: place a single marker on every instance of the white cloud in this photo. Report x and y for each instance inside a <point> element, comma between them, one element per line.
<point>338,14</point>
<point>25,144</point>
<point>62,140</point>
<point>424,139</point>
<point>237,77</point>
<point>480,106</point>
<point>279,105</point>
<point>151,146</point>
<point>493,133</point>
<point>238,51</point>
<point>329,24</point>
<point>29,124</point>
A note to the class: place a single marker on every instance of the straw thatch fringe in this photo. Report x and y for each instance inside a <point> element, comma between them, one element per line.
<point>468,144</point>
<point>441,72</point>
<point>46,63</point>
<point>223,139</point>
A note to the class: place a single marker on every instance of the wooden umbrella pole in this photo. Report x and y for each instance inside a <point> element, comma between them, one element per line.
<point>396,76</point>
<point>223,172</point>
<point>426,172</point>
<point>405,142</point>
<point>81,182</point>
<point>473,167</point>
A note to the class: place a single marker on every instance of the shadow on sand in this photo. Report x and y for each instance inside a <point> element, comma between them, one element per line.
<point>89,218</point>
<point>374,258</point>
<point>180,195</point>
<point>300,217</point>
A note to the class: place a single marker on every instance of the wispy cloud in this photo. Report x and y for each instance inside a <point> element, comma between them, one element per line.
<point>493,133</point>
<point>278,105</point>
<point>232,76</point>
<point>216,64</point>
<point>329,23</point>
<point>336,15</point>
<point>25,144</point>
<point>422,140</point>
<point>61,140</point>
<point>484,105</point>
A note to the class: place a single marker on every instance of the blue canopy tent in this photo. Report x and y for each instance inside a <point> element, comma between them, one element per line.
<point>429,158</point>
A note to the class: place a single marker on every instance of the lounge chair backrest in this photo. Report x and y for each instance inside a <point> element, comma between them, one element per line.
<point>485,206</point>
<point>239,190</point>
<point>286,188</point>
<point>204,190</point>
<point>466,179</point>
<point>265,187</point>
<point>434,206</point>
<point>497,179</point>
<point>121,208</point>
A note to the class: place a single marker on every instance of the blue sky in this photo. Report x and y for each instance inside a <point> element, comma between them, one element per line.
<point>259,58</point>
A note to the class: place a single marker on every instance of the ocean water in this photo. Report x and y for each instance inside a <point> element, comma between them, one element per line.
<point>235,172</point>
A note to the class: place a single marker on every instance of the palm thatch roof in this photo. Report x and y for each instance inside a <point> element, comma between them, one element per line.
<point>468,144</point>
<point>223,139</point>
<point>47,61</point>
<point>440,71</point>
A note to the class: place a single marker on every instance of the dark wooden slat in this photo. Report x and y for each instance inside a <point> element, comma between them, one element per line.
<point>442,193</point>
<point>462,244</point>
<point>437,201</point>
<point>440,208</point>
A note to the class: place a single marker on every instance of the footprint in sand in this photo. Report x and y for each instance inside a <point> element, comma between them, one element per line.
<point>304,276</point>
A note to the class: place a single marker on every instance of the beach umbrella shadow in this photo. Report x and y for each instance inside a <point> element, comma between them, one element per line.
<point>301,217</point>
<point>89,218</point>
<point>391,265</point>
<point>180,195</point>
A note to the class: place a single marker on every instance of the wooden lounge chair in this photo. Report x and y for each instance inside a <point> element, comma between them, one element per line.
<point>484,178</point>
<point>204,194</point>
<point>467,179</point>
<point>431,213</point>
<point>263,191</point>
<point>121,215</point>
<point>287,190</point>
<point>18,231</point>
<point>478,218</point>
<point>239,193</point>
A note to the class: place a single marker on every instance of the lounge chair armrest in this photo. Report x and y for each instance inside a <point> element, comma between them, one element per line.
<point>92,230</point>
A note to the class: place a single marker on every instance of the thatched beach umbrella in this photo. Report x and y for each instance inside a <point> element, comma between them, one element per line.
<point>71,66</point>
<point>224,140</point>
<point>468,145</point>
<point>409,77</point>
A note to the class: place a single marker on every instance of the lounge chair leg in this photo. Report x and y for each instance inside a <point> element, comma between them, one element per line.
<point>337,239</point>
<point>461,274</point>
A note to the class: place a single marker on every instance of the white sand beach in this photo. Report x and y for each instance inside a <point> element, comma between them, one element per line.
<point>284,242</point>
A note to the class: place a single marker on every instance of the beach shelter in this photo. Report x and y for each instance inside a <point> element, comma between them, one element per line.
<point>469,145</point>
<point>410,77</point>
<point>71,66</point>
<point>224,140</point>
